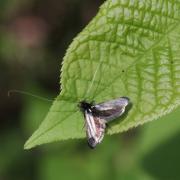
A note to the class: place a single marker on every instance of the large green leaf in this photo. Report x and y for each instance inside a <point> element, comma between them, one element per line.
<point>131,48</point>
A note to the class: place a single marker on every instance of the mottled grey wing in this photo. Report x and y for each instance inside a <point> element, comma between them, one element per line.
<point>111,109</point>
<point>95,129</point>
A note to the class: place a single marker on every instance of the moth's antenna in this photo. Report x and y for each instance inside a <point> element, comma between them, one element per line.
<point>28,94</point>
<point>93,79</point>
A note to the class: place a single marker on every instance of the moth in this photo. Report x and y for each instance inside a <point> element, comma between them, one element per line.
<point>98,115</point>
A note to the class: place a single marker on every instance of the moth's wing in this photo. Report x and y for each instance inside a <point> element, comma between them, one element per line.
<point>90,125</point>
<point>100,128</point>
<point>111,109</point>
<point>95,128</point>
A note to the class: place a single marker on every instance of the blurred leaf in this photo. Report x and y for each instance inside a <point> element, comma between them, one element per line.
<point>159,132</point>
<point>114,159</point>
<point>35,108</point>
<point>151,157</point>
<point>78,161</point>
<point>164,161</point>
<point>131,48</point>
<point>7,155</point>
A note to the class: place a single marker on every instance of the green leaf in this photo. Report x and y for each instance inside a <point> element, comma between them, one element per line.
<point>131,48</point>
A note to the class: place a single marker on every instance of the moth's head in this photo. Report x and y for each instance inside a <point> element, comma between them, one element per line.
<point>83,105</point>
<point>92,143</point>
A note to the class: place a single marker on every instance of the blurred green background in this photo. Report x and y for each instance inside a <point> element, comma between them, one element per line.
<point>33,38</point>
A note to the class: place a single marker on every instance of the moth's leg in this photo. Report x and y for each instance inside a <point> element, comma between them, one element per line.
<point>83,127</point>
<point>108,127</point>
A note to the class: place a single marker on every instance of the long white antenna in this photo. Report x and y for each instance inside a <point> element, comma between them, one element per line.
<point>93,79</point>
<point>27,93</point>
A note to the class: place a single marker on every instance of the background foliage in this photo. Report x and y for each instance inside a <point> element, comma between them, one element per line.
<point>33,39</point>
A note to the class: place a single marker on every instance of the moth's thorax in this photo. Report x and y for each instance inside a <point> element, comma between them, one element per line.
<point>85,106</point>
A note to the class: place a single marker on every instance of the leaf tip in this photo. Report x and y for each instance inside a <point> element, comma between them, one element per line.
<point>28,145</point>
